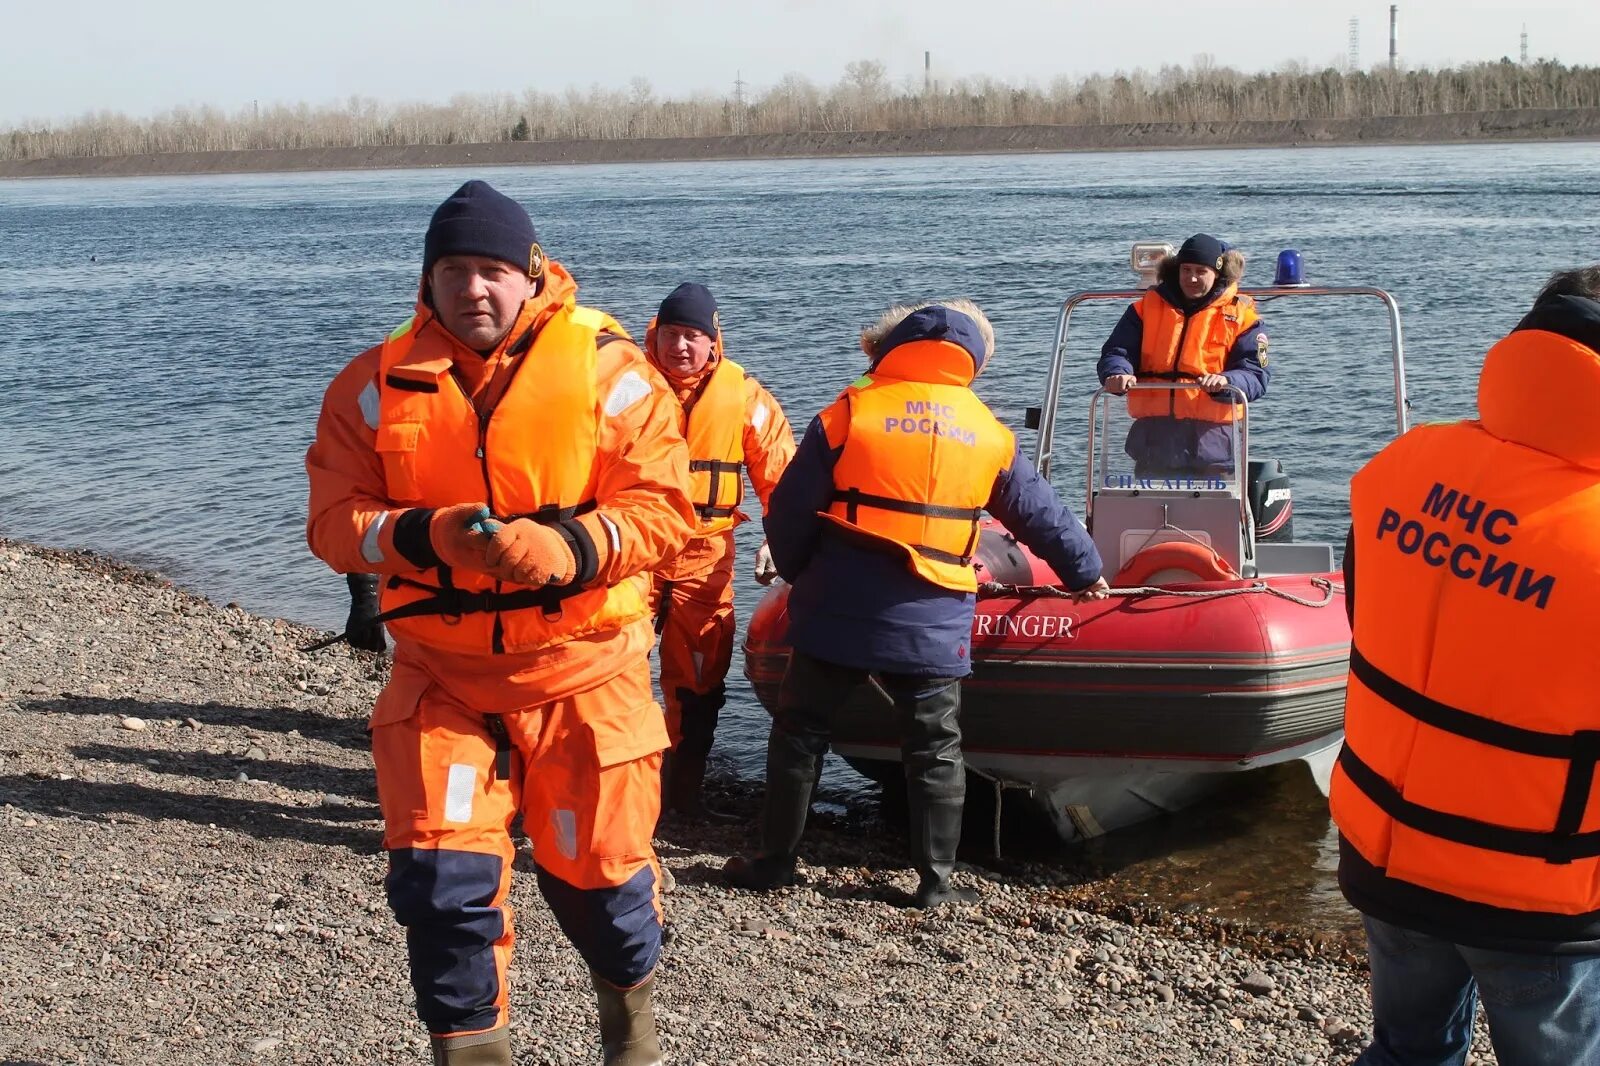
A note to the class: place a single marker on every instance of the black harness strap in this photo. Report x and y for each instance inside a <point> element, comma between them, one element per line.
<point>854,499</point>
<point>718,469</point>
<point>454,603</point>
<point>1459,829</point>
<point>550,514</point>
<point>663,608</point>
<point>1580,750</point>
<point>451,602</point>
<point>496,724</point>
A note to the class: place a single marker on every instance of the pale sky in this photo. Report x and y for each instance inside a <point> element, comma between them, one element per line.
<point>59,60</point>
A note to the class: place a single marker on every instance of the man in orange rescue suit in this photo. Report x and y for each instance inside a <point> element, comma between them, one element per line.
<point>1192,325</point>
<point>1465,796</point>
<point>733,425</point>
<point>875,523</point>
<point>511,466</point>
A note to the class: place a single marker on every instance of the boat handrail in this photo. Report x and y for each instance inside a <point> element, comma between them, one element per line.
<point>1047,412</point>
<point>1239,430</point>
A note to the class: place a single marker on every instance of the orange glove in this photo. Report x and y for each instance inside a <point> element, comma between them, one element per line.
<point>457,537</point>
<point>525,552</point>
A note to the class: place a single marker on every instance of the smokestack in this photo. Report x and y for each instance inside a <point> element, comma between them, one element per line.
<point>927,73</point>
<point>1394,36</point>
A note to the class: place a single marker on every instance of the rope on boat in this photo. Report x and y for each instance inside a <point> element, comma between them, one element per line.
<point>1000,785</point>
<point>1255,588</point>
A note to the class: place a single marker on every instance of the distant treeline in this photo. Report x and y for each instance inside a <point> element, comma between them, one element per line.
<point>864,99</point>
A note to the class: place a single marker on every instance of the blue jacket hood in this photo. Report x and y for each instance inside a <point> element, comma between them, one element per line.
<point>937,324</point>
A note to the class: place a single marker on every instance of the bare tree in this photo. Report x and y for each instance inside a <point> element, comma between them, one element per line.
<point>863,99</point>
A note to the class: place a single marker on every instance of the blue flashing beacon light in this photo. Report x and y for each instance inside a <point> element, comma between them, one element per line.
<point>1291,271</point>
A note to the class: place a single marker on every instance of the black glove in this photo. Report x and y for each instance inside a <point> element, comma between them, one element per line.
<point>359,627</point>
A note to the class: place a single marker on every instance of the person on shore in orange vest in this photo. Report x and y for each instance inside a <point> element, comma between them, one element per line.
<point>733,426</point>
<point>874,524</point>
<point>1192,325</point>
<point>510,464</point>
<point>1465,795</point>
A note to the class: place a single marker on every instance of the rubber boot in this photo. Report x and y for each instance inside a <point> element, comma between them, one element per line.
<point>936,791</point>
<point>479,1049</point>
<point>627,1023</point>
<point>683,774</point>
<point>791,775</point>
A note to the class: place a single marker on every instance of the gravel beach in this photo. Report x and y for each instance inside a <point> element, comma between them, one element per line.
<point>190,855</point>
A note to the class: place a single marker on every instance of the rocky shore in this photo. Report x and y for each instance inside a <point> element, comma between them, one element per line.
<point>190,857</point>
<point>1528,124</point>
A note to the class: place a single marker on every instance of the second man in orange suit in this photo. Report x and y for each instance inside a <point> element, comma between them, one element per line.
<point>734,427</point>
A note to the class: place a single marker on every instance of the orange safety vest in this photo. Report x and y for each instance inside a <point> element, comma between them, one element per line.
<point>1177,346</point>
<point>531,457</point>
<point>1472,724</point>
<point>920,459</point>
<point>716,449</point>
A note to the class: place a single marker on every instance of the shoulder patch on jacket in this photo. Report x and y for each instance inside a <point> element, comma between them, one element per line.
<point>629,390</point>
<point>1261,348</point>
<point>369,401</point>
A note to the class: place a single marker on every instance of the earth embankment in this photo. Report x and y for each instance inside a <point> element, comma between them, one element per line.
<point>1461,127</point>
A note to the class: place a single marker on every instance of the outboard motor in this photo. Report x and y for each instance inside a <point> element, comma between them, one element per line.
<point>1000,558</point>
<point>1271,502</point>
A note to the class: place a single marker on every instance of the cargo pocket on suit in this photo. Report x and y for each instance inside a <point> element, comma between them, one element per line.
<point>397,447</point>
<point>397,748</point>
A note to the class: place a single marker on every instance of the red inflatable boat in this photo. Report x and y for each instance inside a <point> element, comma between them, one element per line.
<point>1224,648</point>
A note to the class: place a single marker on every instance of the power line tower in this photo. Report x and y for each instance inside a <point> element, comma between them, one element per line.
<point>1524,44</point>
<point>738,102</point>
<point>1353,58</point>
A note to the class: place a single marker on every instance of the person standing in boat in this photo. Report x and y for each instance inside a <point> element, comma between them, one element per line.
<point>874,524</point>
<point>734,427</point>
<point>511,464</point>
<point>1192,325</point>
<point>1466,795</point>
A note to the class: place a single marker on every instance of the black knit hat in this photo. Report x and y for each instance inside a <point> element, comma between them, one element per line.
<point>480,220</point>
<point>692,305</point>
<point>1203,250</point>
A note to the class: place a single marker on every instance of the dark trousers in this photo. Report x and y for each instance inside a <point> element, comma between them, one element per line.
<point>927,711</point>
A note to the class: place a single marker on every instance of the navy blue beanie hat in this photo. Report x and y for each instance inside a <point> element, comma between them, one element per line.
<point>1203,250</point>
<point>692,305</point>
<point>480,220</point>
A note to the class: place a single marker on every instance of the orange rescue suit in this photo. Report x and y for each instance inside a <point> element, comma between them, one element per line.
<point>1178,346</point>
<point>734,427</point>
<point>527,700</point>
<point>1472,724</point>
<point>921,455</point>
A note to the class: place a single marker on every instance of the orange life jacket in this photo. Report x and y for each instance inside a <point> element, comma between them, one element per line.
<point>1177,346</point>
<point>920,459</point>
<point>1472,724</point>
<point>716,449</point>
<point>532,456</point>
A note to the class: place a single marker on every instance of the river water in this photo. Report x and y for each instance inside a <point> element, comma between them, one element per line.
<point>166,342</point>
